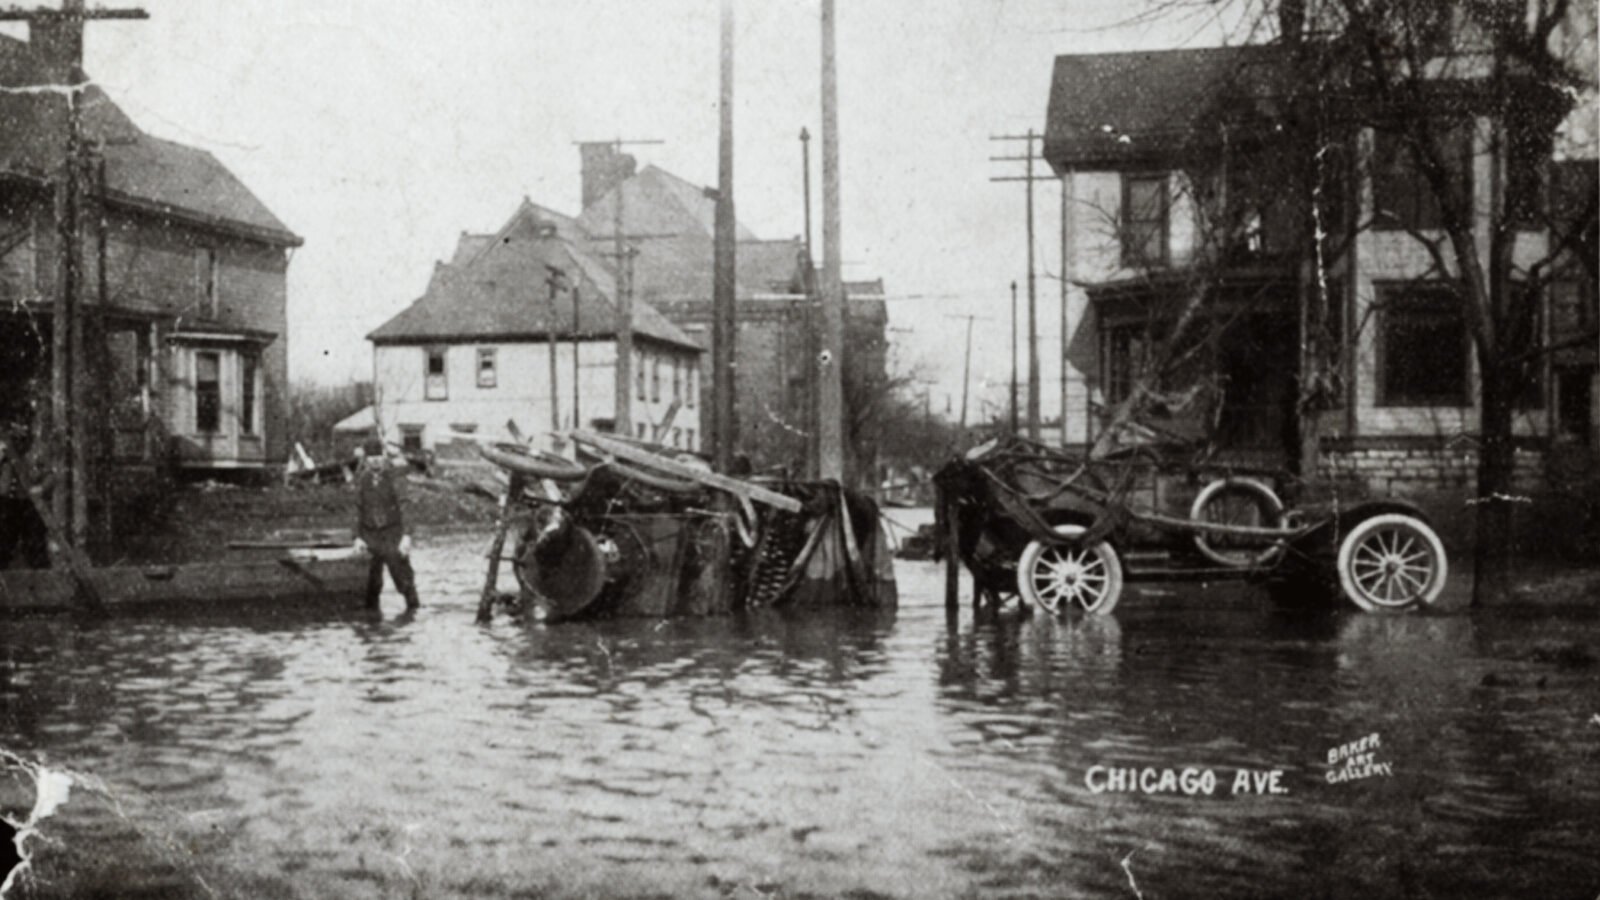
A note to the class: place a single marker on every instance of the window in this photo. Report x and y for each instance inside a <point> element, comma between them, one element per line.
<point>1571,313</point>
<point>487,377</point>
<point>1525,183</point>
<point>1422,346</point>
<point>638,429</point>
<point>677,437</point>
<point>207,392</point>
<point>688,434</point>
<point>638,374</point>
<point>1125,352</point>
<point>210,272</point>
<point>249,364</point>
<point>433,373</point>
<point>677,379</point>
<point>1402,197</point>
<point>655,379</point>
<point>1144,220</point>
<point>1530,390</point>
<point>411,438</point>
<point>694,383</point>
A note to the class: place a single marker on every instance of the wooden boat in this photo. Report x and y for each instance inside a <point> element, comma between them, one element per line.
<point>294,575</point>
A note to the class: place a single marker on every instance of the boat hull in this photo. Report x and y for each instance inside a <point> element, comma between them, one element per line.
<point>300,577</point>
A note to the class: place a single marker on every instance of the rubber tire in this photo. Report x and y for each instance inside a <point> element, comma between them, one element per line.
<point>1356,538</point>
<point>1273,506</point>
<point>1106,554</point>
<point>538,464</point>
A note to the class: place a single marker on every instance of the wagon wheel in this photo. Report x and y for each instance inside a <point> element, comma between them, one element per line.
<point>1236,501</point>
<point>535,463</point>
<point>1391,563</point>
<point>1050,575</point>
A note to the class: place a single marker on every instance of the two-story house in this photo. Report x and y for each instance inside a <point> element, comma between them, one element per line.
<point>1292,237</point>
<point>536,301</point>
<point>183,284</point>
<point>521,326</point>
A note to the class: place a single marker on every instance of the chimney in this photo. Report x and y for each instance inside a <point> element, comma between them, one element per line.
<point>57,43</point>
<point>603,169</point>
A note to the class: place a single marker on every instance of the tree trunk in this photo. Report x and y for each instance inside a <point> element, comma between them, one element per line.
<point>1494,552</point>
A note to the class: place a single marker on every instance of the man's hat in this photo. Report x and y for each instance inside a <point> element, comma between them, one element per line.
<point>372,446</point>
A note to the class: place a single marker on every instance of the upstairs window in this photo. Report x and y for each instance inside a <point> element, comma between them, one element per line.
<point>488,375</point>
<point>694,384</point>
<point>210,271</point>
<point>638,374</point>
<point>655,379</point>
<point>677,379</point>
<point>1403,198</point>
<point>433,374</point>
<point>1145,208</point>
<point>1422,346</point>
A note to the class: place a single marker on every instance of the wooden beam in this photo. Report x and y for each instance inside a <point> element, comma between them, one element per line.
<point>672,467</point>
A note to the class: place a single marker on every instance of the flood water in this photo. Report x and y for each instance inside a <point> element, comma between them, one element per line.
<point>820,754</point>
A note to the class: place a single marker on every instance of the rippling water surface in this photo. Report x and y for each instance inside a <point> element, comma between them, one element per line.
<point>816,754</point>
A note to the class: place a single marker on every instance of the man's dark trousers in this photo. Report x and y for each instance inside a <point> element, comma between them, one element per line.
<point>384,545</point>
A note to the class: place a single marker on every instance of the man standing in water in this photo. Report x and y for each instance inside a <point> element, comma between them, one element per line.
<point>380,529</point>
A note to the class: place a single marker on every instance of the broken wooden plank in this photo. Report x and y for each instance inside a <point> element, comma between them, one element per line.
<point>672,467</point>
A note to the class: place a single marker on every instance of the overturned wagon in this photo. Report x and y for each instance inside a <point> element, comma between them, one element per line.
<point>630,532</point>
<point>1060,530</point>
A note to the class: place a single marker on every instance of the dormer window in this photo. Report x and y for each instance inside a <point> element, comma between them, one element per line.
<point>1144,227</point>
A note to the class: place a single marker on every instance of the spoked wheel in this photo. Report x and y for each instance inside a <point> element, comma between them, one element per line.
<point>1392,563</point>
<point>1058,575</point>
<point>1237,501</point>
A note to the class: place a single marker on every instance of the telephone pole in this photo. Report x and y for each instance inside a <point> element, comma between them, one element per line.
<point>1028,178</point>
<point>553,278</point>
<point>1067,198</point>
<point>724,304</point>
<point>1013,357</point>
<point>623,323</point>
<point>830,359</point>
<point>966,367</point>
<point>69,462</point>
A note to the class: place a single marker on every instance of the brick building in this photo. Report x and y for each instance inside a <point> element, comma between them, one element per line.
<point>184,282</point>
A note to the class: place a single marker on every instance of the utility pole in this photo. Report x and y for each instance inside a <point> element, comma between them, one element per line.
<point>724,304</point>
<point>1013,357</point>
<point>69,379</point>
<point>553,278</point>
<point>577,421</point>
<point>813,342</point>
<point>966,367</point>
<point>805,182</point>
<point>1066,280</point>
<point>830,359</point>
<point>1028,179</point>
<point>623,424</point>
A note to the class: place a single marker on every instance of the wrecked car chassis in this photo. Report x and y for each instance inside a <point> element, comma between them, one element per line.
<point>1059,530</point>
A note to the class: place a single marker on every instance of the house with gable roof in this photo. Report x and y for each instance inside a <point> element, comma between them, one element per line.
<point>475,350</point>
<point>521,326</point>
<point>184,314</point>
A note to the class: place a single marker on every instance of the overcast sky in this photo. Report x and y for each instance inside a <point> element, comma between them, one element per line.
<point>379,130</point>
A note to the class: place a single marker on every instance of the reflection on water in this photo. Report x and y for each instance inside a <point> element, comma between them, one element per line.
<point>830,754</point>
